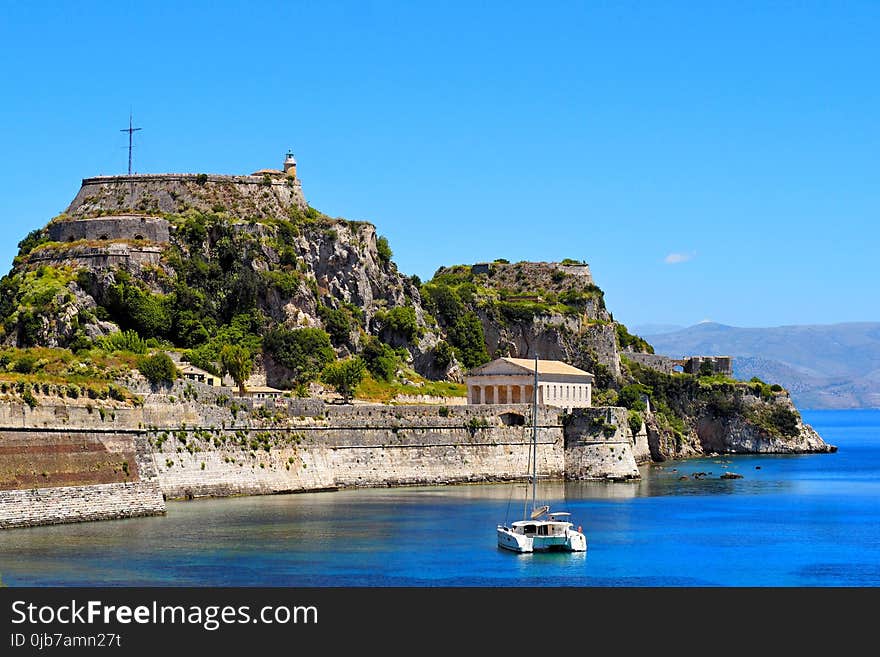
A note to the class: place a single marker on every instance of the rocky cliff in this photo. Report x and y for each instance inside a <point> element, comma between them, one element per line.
<point>182,257</point>
<point>197,261</point>
<point>556,311</point>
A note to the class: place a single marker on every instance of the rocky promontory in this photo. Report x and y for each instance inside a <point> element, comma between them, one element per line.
<point>191,263</point>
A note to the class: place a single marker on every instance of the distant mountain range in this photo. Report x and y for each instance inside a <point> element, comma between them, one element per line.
<point>824,366</point>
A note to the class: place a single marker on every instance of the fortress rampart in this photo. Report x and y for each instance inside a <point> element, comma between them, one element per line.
<point>63,463</point>
<point>259,196</point>
<point>115,227</point>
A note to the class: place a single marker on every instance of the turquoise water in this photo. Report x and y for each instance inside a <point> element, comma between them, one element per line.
<point>811,520</point>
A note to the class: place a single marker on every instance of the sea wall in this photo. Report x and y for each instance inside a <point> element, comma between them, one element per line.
<point>351,446</point>
<point>600,445</point>
<point>74,460</point>
<point>57,476</point>
<point>52,506</point>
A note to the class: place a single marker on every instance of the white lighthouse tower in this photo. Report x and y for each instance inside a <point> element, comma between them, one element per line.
<point>290,165</point>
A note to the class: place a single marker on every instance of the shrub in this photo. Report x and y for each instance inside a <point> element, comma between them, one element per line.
<point>381,360</point>
<point>776,388</point>
<point>79,342</point>
<point>148,314</point>
<point>444,302</point>
<point>29,398</point>
<point>630,396</point>
<point>626,339</point>
<point>158,369</point>
<point>474,424</point>
<point>442,355</point>
<point>124,341</point>
<point>634,419</point>
<point>26,364</point>
<point>30,326</point>
<point>383,250</point>
<point>784,420</point>
<point>402,321</point>
<point>32,240</point>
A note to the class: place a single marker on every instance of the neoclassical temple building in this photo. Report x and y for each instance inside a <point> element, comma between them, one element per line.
<point>511,381</point>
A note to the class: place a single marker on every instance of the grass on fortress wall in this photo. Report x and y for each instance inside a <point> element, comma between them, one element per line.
<point>51,371</point>
<point>375,390</point>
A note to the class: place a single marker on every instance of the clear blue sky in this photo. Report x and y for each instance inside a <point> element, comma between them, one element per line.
<point>709,160</point>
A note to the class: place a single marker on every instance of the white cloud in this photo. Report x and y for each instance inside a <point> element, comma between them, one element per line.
<point>678,258</point>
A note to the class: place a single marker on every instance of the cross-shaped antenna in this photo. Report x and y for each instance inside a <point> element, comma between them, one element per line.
<point>130,131</point>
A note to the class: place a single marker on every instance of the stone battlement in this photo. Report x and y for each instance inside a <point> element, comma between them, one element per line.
<point>198,178</point>
<point>254,196</point>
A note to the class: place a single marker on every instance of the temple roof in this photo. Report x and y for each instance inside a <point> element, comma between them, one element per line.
<point>528,365</point>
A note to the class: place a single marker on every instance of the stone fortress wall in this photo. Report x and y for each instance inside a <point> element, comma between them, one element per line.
<point>186,448</point>
<point>258,196</point>
<point>689,365</point>
<point>115,227</point>
<point>51,476</point>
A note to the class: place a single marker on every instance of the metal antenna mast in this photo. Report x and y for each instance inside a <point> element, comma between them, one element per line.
<point>130,131</point>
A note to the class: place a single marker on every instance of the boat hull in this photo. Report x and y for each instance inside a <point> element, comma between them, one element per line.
<point>514,541</point>
<point>510,540</point>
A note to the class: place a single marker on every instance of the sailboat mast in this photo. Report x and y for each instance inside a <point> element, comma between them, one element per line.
<point>535,435</point>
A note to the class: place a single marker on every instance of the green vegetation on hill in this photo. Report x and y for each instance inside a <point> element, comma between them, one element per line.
<point>625,340</point>
<point>676,398</point>
<point>229,291</point>
<point>91,374</point>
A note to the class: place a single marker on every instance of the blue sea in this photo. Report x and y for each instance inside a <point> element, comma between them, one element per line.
<point>805,520</point>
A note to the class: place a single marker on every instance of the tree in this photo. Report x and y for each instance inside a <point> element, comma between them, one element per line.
<point>134,308</point>
<point>466,335</point>
<point>304,351</point>
<point>238,362</point>
<point>380,359</point>
<point>337,323</point>
<point>158,368</point>
<point>442,355</point>
<point>345,376</point>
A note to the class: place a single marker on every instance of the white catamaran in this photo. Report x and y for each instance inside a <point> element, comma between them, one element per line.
<point>543,530</point>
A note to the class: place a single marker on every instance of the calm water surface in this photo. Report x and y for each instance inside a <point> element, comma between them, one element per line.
<point>791,521</point>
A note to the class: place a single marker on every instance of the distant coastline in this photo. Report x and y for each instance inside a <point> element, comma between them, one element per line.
<point>824,366</point>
